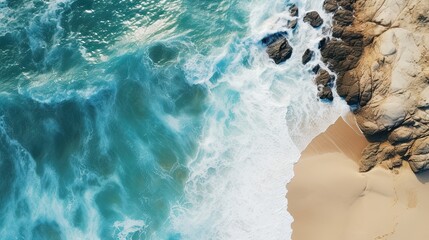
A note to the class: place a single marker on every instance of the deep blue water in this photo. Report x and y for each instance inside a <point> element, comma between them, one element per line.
<point>163,119</point>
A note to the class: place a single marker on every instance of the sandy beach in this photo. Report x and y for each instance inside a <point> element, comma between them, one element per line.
<point>330,199</point>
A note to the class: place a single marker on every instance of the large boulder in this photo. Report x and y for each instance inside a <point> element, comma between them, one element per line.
<point>278,47</point>
<point>313,18</point>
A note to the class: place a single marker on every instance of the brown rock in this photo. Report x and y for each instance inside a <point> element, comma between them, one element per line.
<point>330,6</point>
<point>419,163</point>
<point>368,125</point>
<point>402,149</point>
<point>369,157</point>
<point>396,162</point>
<point>343,17</point>
<point>352,38</point>
<point>421,146</point>
<point>346,4</point>
<point>325,93</point>
<point>386,151</point>
<point>348,87</point>
<point>340,56</point>
<point>279,50</point>
<point>307,56</point>
<point>401,135</point>
<point>366,89</point>
<point>324,84</point>
<point>324,78</point>
<point>313,18</point>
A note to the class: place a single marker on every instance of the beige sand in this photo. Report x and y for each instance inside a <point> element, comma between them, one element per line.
<point>329,199</point>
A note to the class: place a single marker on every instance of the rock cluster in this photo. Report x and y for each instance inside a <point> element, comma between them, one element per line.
<point>278,47</point>
<point>381,57</point>
<point>343,51</point>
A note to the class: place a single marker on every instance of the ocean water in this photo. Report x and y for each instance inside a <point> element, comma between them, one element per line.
<point>146,119</point>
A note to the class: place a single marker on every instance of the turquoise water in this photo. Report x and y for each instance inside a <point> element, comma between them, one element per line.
<point>151,119</point>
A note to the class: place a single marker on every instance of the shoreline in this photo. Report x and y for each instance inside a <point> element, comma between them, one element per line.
<point>366,180</point>
<point>330,199</point>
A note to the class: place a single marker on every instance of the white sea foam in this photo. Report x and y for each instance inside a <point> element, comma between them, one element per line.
<point>262,116</point>
<point>128,228</point>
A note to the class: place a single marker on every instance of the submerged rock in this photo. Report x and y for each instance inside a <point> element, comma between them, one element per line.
<point>313,18</point>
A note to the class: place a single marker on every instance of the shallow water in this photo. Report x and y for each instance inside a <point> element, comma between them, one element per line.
<point>152,119</point>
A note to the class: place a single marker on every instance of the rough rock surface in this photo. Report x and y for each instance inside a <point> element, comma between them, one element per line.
<point>382,66</point>
<point>307,56</point>
<point>278,47</point>
<point>313,18</point>
<point>324,82</point>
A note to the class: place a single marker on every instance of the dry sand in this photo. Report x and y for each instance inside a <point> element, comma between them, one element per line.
<point>331,200</point>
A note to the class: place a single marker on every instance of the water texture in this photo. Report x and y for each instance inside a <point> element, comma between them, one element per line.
<point>163,119</point>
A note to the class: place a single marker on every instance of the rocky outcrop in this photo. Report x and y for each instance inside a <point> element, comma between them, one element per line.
<point>343,51</point>
<point>278,47</point>
<point>380,54</point>
<point>313,18</point>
